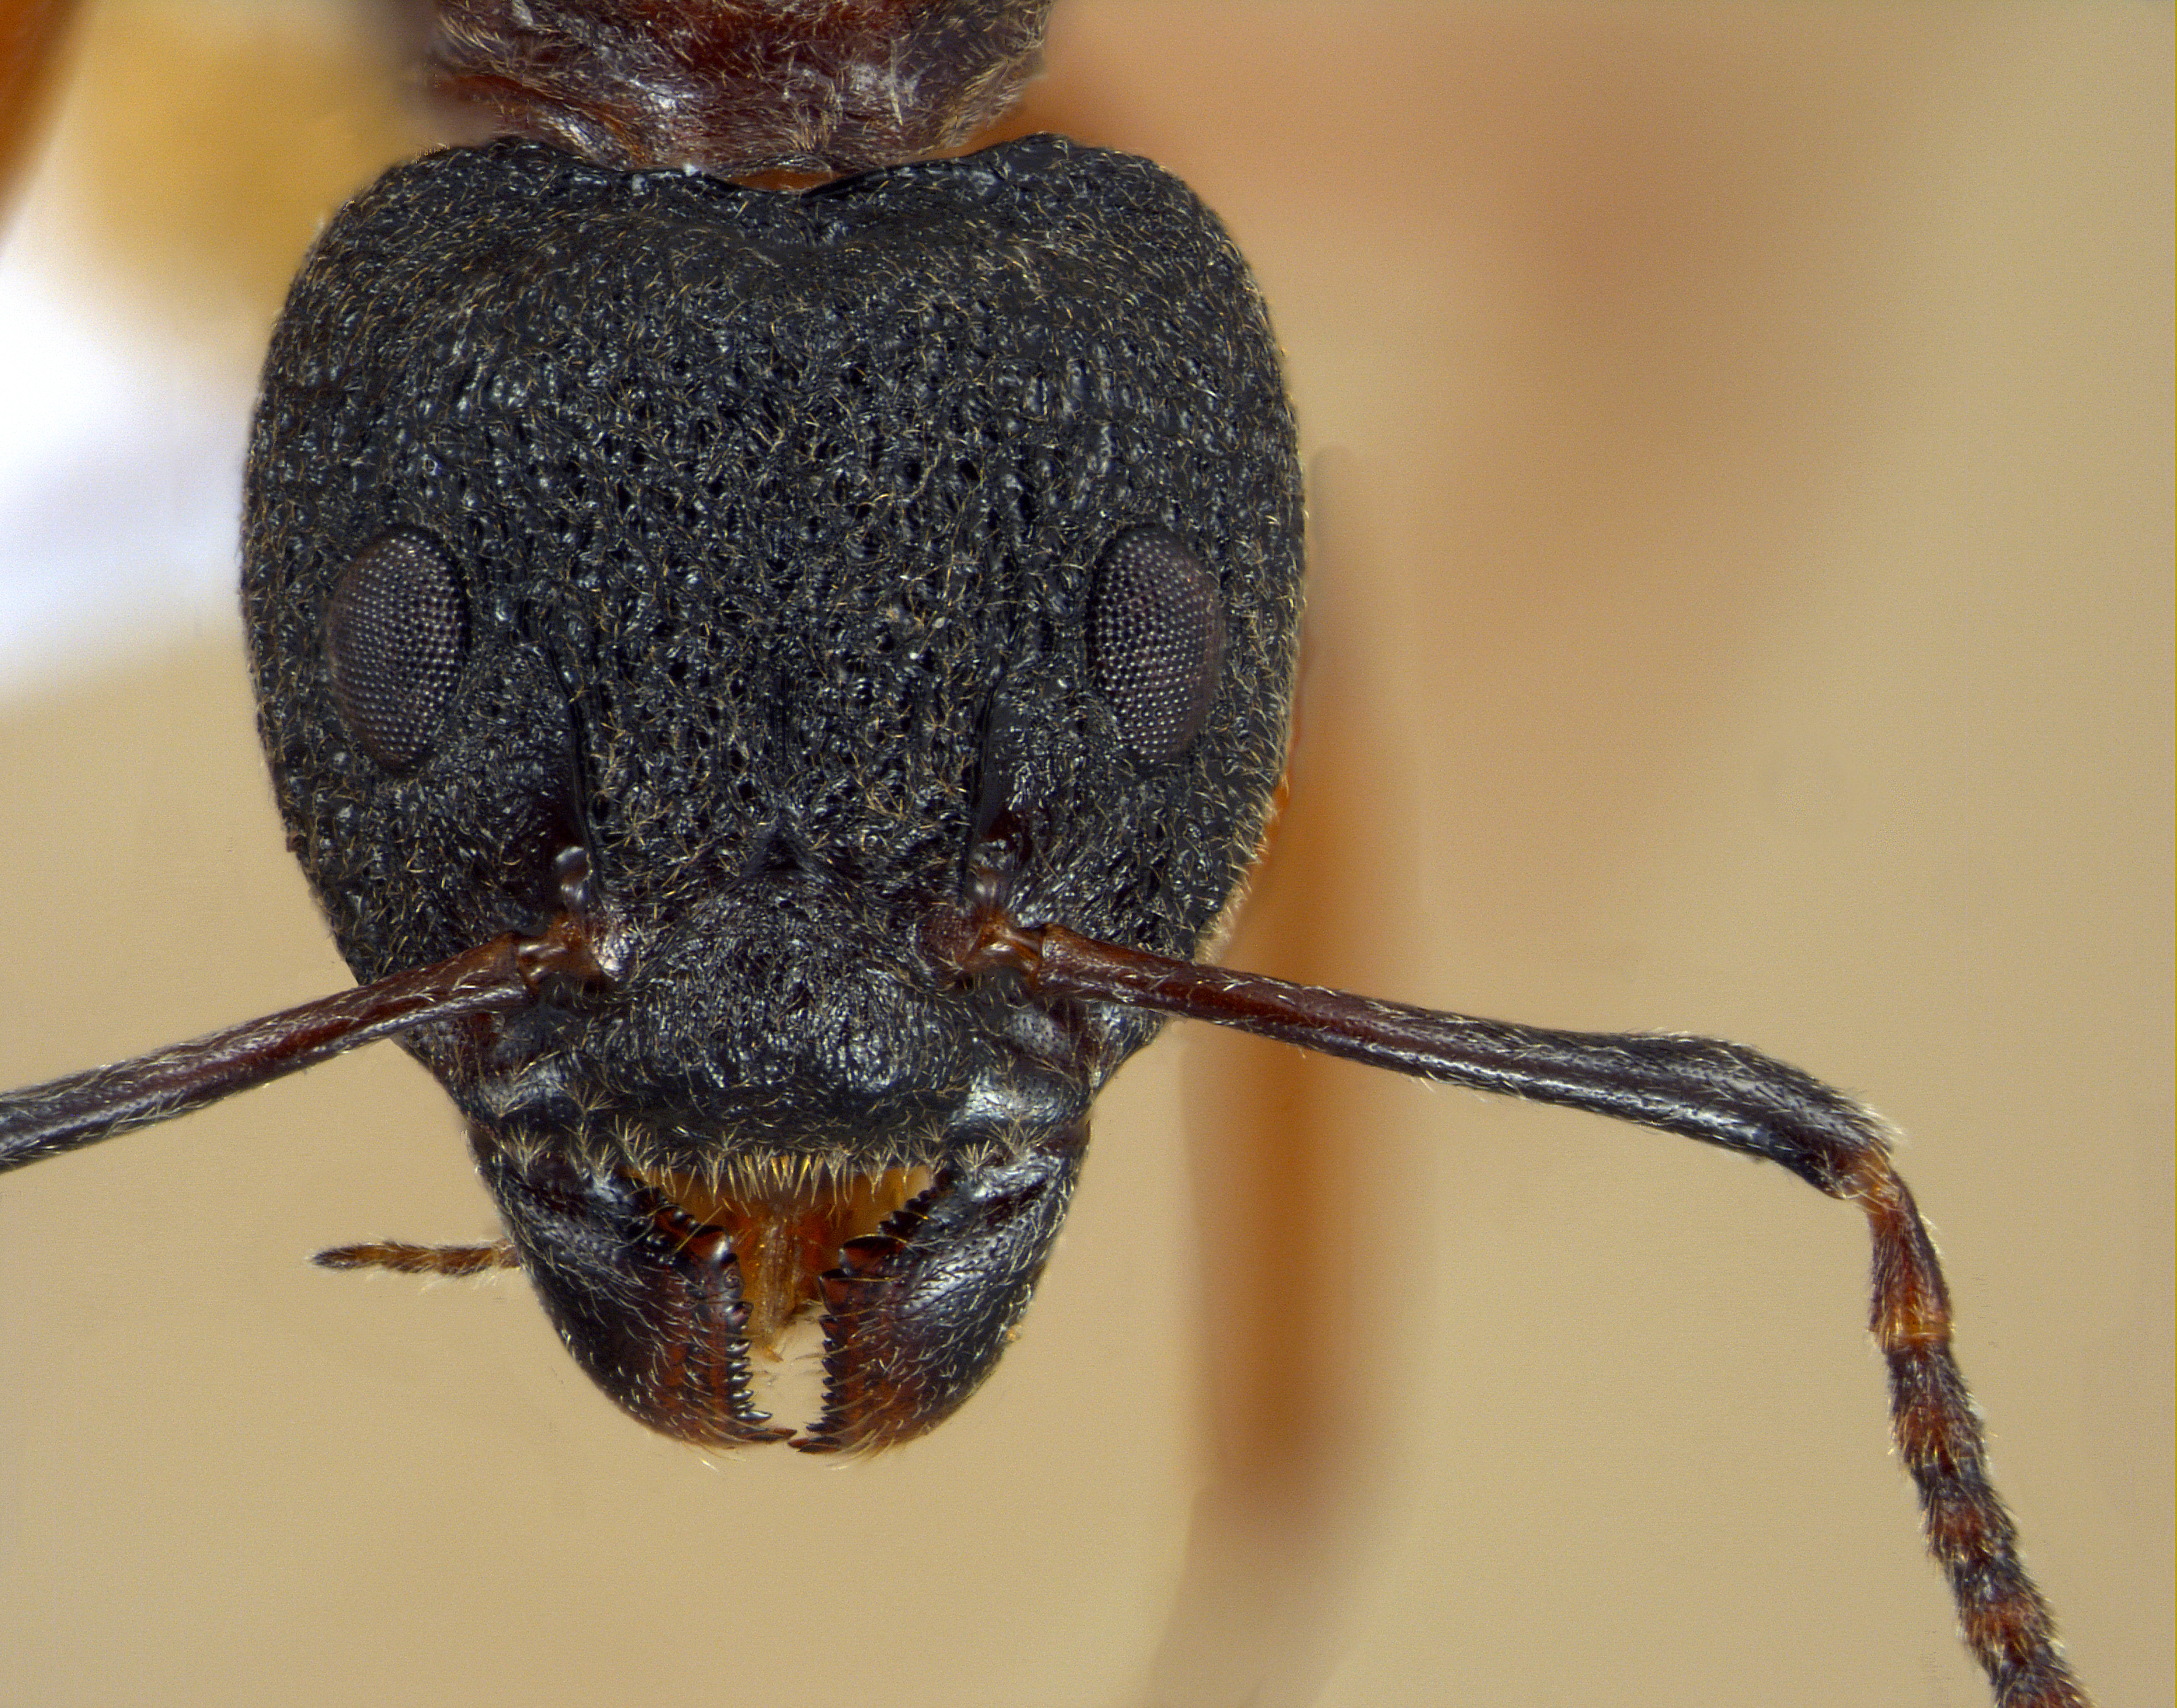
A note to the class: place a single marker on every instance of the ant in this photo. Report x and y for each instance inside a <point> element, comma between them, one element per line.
<point>1647,1156</point>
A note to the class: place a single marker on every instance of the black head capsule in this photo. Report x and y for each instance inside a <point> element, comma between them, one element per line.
<point>745,540</point>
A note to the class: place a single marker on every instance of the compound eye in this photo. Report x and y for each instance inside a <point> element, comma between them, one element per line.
<point>1156,642</point>
<point>396,632</point>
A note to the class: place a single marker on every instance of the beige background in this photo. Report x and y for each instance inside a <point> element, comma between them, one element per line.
<point>1741,443</point>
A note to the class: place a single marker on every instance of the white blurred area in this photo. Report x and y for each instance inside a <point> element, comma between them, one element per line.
<point>121,455</point>
<point>181,157</point>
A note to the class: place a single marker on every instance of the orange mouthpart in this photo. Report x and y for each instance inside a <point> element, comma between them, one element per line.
<point>786,1229</point>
